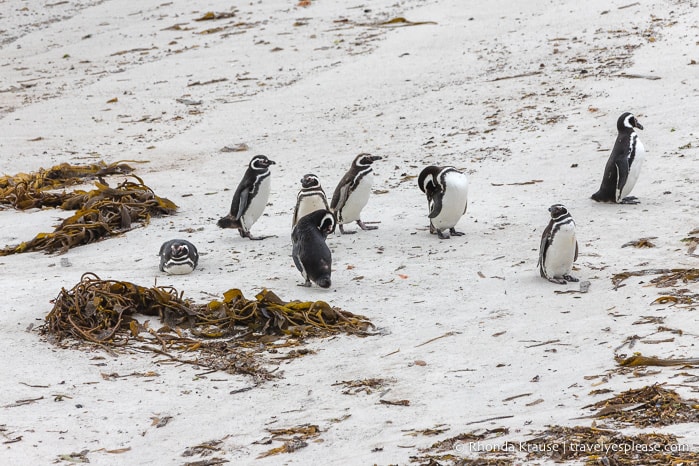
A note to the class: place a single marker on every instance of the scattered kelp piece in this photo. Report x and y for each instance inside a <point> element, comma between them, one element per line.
<point>353,387</point>
<point>639,360</point>
<point>28,190</point>
<point>669,276</point>
<point>101,213</point>
<point>648,406</point>
<point>300,435</point>
<point>603,446</point>
<point>103,312</point>
<point>640,243</point>
<point>400,22</point>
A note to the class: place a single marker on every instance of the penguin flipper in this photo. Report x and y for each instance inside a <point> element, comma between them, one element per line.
<point>242,202</point>
<point>339,196</point>
<point>436,205</point>
<point>622,175</point>
<point>545,243</point>
<point>576,252</point>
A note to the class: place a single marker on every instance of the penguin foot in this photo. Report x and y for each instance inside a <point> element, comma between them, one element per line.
<point>558,281</point>
<point>456,233</point>
<point>247,234</point>
<point>307,283</point>
<point>570,278</point>
<point>443,235</point>
<point>364,226</point>
<point>630,200</point>
<point>343,232</point>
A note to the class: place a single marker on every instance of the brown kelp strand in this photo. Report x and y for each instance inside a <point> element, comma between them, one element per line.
<point>668,277</point>
<point>103,312</point>
<point>100,213</point>
<point>29,190</point>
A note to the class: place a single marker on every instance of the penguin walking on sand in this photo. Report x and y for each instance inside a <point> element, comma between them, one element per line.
<point>310,252</point>
<point>352,192</point>
<point>624,164</point>
<point>310,198</point>
<point>446,189</point>
<point>178,257</point>
<point>250,199</point>
<point>559,247</point>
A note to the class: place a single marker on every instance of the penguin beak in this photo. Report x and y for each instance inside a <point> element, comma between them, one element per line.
<point>638,125</point>
<point>374,158</point>
<point>270,162</point>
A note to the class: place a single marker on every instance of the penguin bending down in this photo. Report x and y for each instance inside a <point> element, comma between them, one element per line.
<point>178,257</point>
<point>310,198</point>
<point>447,198</point>
<point>624,164</point>
<point>559,247</point>
<point>310,252</point>
<point>250,199</point>
<point>352,192</point>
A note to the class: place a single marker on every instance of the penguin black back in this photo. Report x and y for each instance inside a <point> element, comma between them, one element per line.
<point>311,254</point>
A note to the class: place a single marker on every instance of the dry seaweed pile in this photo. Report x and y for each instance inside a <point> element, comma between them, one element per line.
<point>103,312</point>
<point>668,278</point>
<point>648,406</point>
<point>101,212</point>
<point>453,450</point>
<point>602,446</point>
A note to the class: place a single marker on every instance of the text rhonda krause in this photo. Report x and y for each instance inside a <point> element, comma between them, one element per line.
<point>512,447</point>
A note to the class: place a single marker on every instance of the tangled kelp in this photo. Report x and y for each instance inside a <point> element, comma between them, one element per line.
<point>103,312</point>
<point>668,277</point>
<point>648,406</point>
<point>30,190</point>
<point>102,212</point>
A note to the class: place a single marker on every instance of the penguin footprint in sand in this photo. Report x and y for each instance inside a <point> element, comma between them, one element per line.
<point>178,257</point>
<point>310,252</point>
<point>446,189</point>
<point>352,192</point>
<point>250,199</point>
<point>624,164</point>
<point>559,247</point>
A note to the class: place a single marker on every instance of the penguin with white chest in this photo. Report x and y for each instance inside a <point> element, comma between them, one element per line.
<point>250,198</point>
<point>178,257</point>
<point>311,197</point>
<point>311,254</point>
<point>624,164</point>
<point>446,189</point>
<point>559,247</point>
<point>352,192</point>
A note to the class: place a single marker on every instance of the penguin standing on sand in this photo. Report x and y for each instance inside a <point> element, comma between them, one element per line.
<point>250,199</point>
<point>559,247</point>
<point>310,252</point>
<point>310,198</point>
<point>624,164</point>
<point>446,189</point>
<point>352,192</point>
<point>178,257</point>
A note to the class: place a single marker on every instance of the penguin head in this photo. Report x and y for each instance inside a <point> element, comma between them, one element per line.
<point>364,159</point>
<point>309,180</point>
<point>557,210</point>
<point>627,122</point>
<point>327,223</point>
<point>261,162</point>
<point>427,180</point>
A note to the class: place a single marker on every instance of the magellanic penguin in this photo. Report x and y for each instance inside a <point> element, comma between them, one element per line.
<point>310,198</point>
<point>559,247</point>
<point>250,198</point>
<point>446,189</point>
<point>352,192</point>
<point>624,164</point>
<point>178,257</point>
<point>310,252</point>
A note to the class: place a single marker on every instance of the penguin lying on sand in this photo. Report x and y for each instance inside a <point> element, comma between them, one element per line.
<point>352,192</point>
<point>178,257</point>
<point>310,252</point>
<point>559,247</point>
<point>624,164</point>
<point>447,198</point>
<point>250,199</point>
